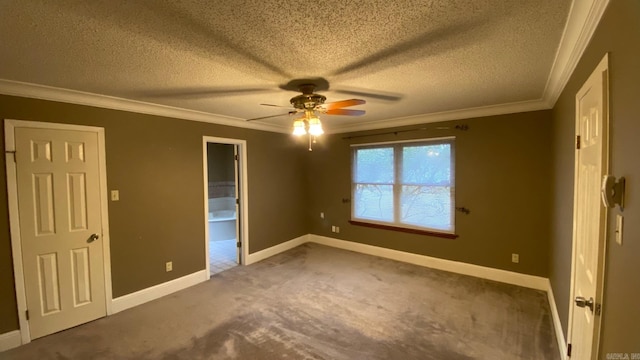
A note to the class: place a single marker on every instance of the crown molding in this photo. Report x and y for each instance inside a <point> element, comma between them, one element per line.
<point>492,110</point>
<point>584,17</point>
<point>582,22</point>
<point>43,92</point>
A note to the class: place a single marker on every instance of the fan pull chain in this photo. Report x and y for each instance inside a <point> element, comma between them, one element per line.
<point>312,140</point>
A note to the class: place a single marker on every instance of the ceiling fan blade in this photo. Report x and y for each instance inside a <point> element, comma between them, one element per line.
<point>201,92</point>
<point>378,96</point>
<point>343,104</point>
<point>280,106</point>
<point>345,112</point>
<point>271,116</point>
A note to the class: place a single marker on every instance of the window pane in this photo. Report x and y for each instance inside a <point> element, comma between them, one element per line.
<point>427,164</point>
<point>374,202</point>
<point>374,166</point>
<point>426,206</point>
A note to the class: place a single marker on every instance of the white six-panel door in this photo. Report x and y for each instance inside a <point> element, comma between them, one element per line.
<point>589,214</point>
<point>59,206</point>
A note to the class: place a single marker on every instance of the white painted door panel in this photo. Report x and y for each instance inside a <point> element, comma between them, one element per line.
<point>589,213</point>
<point>59,210</point>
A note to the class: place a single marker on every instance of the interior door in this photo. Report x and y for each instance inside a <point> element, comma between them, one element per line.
<point>589,213</point>
<point>60,227</point>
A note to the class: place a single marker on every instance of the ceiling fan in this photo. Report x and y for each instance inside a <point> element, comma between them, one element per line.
<point>310,102</point>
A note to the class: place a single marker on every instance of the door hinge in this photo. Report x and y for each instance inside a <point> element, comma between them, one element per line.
<point>598,309</point>
<point>237,201</point>
<point>27,314</point>
<point>569,350</point>
<point>239,244</point>
<point>235,157</point>
<point>14,154</point>
<point>578,142</point>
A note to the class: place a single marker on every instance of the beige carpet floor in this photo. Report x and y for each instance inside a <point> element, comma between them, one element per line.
<point>317,302</point>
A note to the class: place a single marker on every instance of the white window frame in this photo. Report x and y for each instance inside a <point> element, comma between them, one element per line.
<point>397,184</point>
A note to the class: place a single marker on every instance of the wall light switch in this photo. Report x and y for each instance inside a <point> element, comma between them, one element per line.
<point>115,195</point>
<point>321,215</point>
<point>619,222</point>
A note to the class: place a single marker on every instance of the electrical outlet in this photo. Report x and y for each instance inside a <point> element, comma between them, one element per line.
<point>333,228</point>
<point>115,195</point>
<point>515,258</point>
<point>169,266</point>
<point>338,229</point>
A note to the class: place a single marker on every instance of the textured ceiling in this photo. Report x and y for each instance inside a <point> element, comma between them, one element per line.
<point>407,58</point>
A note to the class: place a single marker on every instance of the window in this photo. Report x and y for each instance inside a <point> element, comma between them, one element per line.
<point>405,184</point>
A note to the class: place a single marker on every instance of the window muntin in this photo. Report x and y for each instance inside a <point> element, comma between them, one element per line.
<point>409,184</point>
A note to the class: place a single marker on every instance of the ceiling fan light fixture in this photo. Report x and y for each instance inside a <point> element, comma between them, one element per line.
<point>299,128</point>
<point>315,126</point>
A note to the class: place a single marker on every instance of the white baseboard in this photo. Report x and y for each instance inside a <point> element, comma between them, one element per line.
<point>13,339</point>
<point>529,281</point>
<point>557,325</point>
<point>277,249</point>
<point>10,340</point>
<point>140,297</point>
<point>509,277</point>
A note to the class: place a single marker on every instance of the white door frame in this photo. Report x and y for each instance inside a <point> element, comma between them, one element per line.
<point>602,69</point>
<point>14,219</point>
<point>243,190</point>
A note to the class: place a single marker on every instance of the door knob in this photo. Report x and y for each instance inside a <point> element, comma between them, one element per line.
<point>582,302</point>
<point>93,238</point>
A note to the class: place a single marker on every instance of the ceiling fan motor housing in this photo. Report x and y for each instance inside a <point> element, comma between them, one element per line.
<point>307,101</point>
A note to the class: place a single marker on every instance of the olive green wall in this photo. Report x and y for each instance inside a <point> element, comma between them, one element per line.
<point>618,34</point>
<point>502,176</point>
<point>514,172</point>
<point>156,164</point>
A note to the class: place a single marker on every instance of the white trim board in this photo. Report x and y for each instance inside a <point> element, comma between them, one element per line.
<point>155,292</point>
<point>10,340</point>
<point>584,17</point>
<point>276,249</point>
<point>582,22</point>
<point>508,277</point>
<point>524,280</point>
<point>44,92</point>
<point>529,281</point>
<point>459,114</point>
<point>557,325</point>
<point>243,192</point>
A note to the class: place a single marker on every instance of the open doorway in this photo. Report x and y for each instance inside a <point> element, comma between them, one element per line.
<point>223,195</point>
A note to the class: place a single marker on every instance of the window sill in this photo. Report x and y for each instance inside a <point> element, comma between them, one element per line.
<point>402,229</point>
